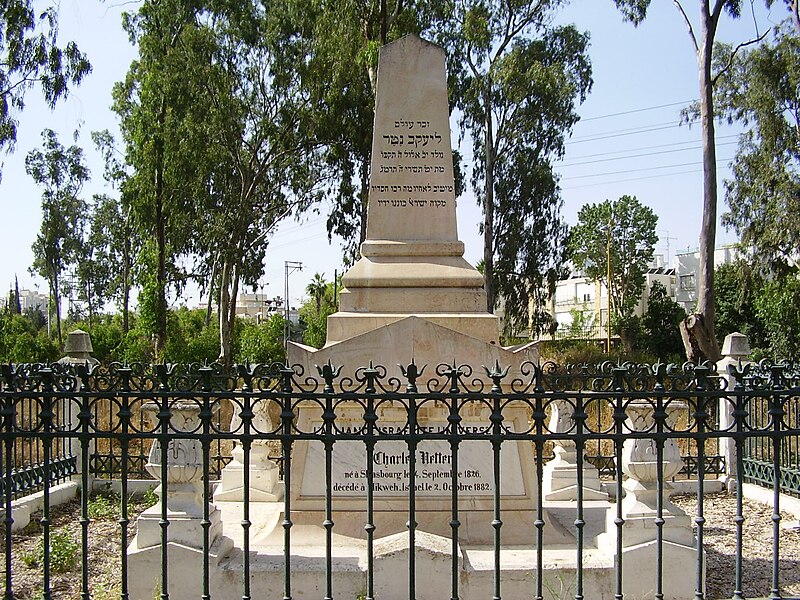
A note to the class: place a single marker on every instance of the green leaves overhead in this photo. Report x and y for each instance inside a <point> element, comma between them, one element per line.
<point>516,80</point>
<point>30,56</point>
<point>762,91</point>
<point>60,172</point>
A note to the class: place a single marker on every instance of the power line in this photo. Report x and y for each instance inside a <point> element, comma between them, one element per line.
<point>688,164</point>
<point>638,110</point>
<point>600,160</point>
<point>585,185</point>
<point>622,132</point>
<point>654,147</point>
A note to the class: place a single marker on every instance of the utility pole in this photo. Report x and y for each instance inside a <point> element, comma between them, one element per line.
<point>608,288</point>
<point>290,267</point>
<point>666,239</point>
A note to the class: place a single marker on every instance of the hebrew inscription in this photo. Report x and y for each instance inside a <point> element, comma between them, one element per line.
<point>417,155</point>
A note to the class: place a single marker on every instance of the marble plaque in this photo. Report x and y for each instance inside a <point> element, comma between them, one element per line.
<point>390,462</point>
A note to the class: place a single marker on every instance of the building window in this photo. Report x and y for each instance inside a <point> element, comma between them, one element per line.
<point>687,282</point>
<point>587,297</point>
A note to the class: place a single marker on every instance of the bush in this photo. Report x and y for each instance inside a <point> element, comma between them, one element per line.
<point>21,343</point>
<point>64,552</point>
<point>259,342</point>
<point>188,338</point>
<point>579,352</point>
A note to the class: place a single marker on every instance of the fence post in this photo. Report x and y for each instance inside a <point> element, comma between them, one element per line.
<point>735,350</point>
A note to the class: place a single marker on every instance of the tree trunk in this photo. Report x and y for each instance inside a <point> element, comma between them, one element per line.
<point>223,314</point>
<point>211,290</point>
<point>694,334</point>
<point>126,275</point>
<point>161,243</point>
<point>699,328</point>
<point>488,206</point>
<point>57,305</point>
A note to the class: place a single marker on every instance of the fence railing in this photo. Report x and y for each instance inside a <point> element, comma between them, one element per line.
<point>442,443</point>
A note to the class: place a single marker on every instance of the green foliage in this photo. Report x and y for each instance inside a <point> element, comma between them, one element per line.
<point>260,342</point>
<point>20,342</point>
<point>343,41</point>
<point>776,306</point>
<point>188,338</point>
<point>623,230</point>
<point>64,552</point>
<point>30,55</point>
<point>61,173</point>
<point>315,311</point>
<point>103,507</point>
<point>164,119</point>
<point>106,335</point>
<point>662,336</point>
<point>761,90</point>
<point>149,498</point>
<point>736,287</point>
<point>582,321</point>
<point>630,331</point>
<point>579,352</point>
<point>517,80</point>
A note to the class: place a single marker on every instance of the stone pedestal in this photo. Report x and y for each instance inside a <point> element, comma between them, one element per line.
<point>263,472</point>
<point>735,353</point>
<point>560,477</point>
<point>640,512</point>
<point>183,494</point>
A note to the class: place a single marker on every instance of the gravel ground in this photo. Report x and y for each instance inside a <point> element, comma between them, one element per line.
<point>720,544</point>
<point>719,535</point>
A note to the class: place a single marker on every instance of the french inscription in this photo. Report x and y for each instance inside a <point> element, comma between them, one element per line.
<point>391,470</point>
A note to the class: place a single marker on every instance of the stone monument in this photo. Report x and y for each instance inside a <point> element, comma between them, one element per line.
<point>412,295</point>
<point>411,299</point>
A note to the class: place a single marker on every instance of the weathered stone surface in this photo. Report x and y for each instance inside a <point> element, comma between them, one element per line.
<point>412,261</point>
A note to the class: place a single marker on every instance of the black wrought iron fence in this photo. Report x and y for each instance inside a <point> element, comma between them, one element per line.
<point>761,454</point>
<point>411,443</point>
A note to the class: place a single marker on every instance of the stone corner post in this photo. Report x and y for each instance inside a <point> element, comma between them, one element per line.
<point>735,350</point>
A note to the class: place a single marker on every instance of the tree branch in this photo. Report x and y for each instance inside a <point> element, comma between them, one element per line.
<point>688,24</point>
<point>732,56</point>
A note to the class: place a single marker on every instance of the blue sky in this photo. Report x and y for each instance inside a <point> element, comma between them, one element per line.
<point>628,142</point>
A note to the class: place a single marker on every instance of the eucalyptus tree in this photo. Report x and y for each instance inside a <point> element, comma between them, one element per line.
<point>61,173</point>
<point>341,76</point>
<point>761,90</point>
<point>164,124</point>
<point>114,240</point>
<point>698,328</point>
<point>30,55</point>
<point>260,121</point>
<point>517,80</point>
